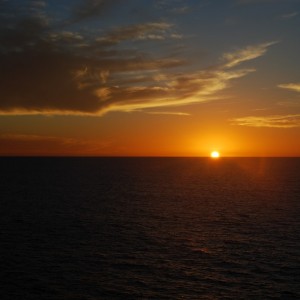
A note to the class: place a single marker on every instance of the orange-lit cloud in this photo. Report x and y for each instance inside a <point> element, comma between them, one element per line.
<point>248,53</point>
<point>276,121</point>
<point>55,86</point>
<point>47,70</point>
<point>171,113</point>
<point>290,86</point>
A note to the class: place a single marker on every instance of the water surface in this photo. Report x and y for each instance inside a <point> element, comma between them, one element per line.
<point>150,228</point>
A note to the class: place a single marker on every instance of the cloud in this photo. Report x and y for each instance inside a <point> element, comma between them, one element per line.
<point>276,121</point>
<point>172,5</point>
<point>38,4</point>
<point>22,34</point>
<point>259,1</point>
<point>171,113</point>
<point>146,31</point>
<point>291,103</point>
<point>64,37</point>
<point>180,10</point>
<point>28,144</point>
<point>290,86</point>
<point>50,71</point>
<point>248,53</point>
<point>290,15</point>
<point>88,9</point>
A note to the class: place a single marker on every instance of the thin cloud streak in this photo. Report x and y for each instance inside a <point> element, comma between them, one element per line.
<point>259,1</point>
<point>171,113</point>
<point>28,144</point>
<point>275,121</point>
<point>146,31</point>
<point>290,15</point>
<point>248,53</point>
<point>290,86</point>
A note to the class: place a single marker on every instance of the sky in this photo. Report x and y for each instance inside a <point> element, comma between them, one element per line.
<point>149,78</point>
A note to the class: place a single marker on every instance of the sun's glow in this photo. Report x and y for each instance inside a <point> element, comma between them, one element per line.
<point>214,154</point>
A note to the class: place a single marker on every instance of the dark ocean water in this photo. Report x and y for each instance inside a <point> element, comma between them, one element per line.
<point>150,228</point>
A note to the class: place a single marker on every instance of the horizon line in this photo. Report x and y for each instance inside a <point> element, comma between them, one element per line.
<point>138,156</point>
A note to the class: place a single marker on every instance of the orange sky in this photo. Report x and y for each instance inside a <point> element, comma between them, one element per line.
<point>150,78</point>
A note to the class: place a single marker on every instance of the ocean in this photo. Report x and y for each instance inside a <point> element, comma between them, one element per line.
<point>150,228</point>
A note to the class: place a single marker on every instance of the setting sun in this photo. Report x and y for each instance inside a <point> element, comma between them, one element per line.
<point>215,154</point>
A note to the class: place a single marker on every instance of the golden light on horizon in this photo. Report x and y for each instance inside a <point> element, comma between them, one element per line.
<point>215,154</point>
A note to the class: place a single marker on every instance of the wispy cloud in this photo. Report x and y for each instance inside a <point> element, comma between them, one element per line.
<point>259,1</point>
<point>173,6</point>
<point>290,15</point>
<point>275,121</point>
<point>29,144</point>
<point>38,4</point>
<point>248,53</point>
<point>290,86</point>
<point>146,31</point>
<point>180,10</point>
<point>88,9</point>
<point>171,113</point>
<point>290,103</point>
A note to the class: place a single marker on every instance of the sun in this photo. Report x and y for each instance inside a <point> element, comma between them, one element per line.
<point>215,154</point>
